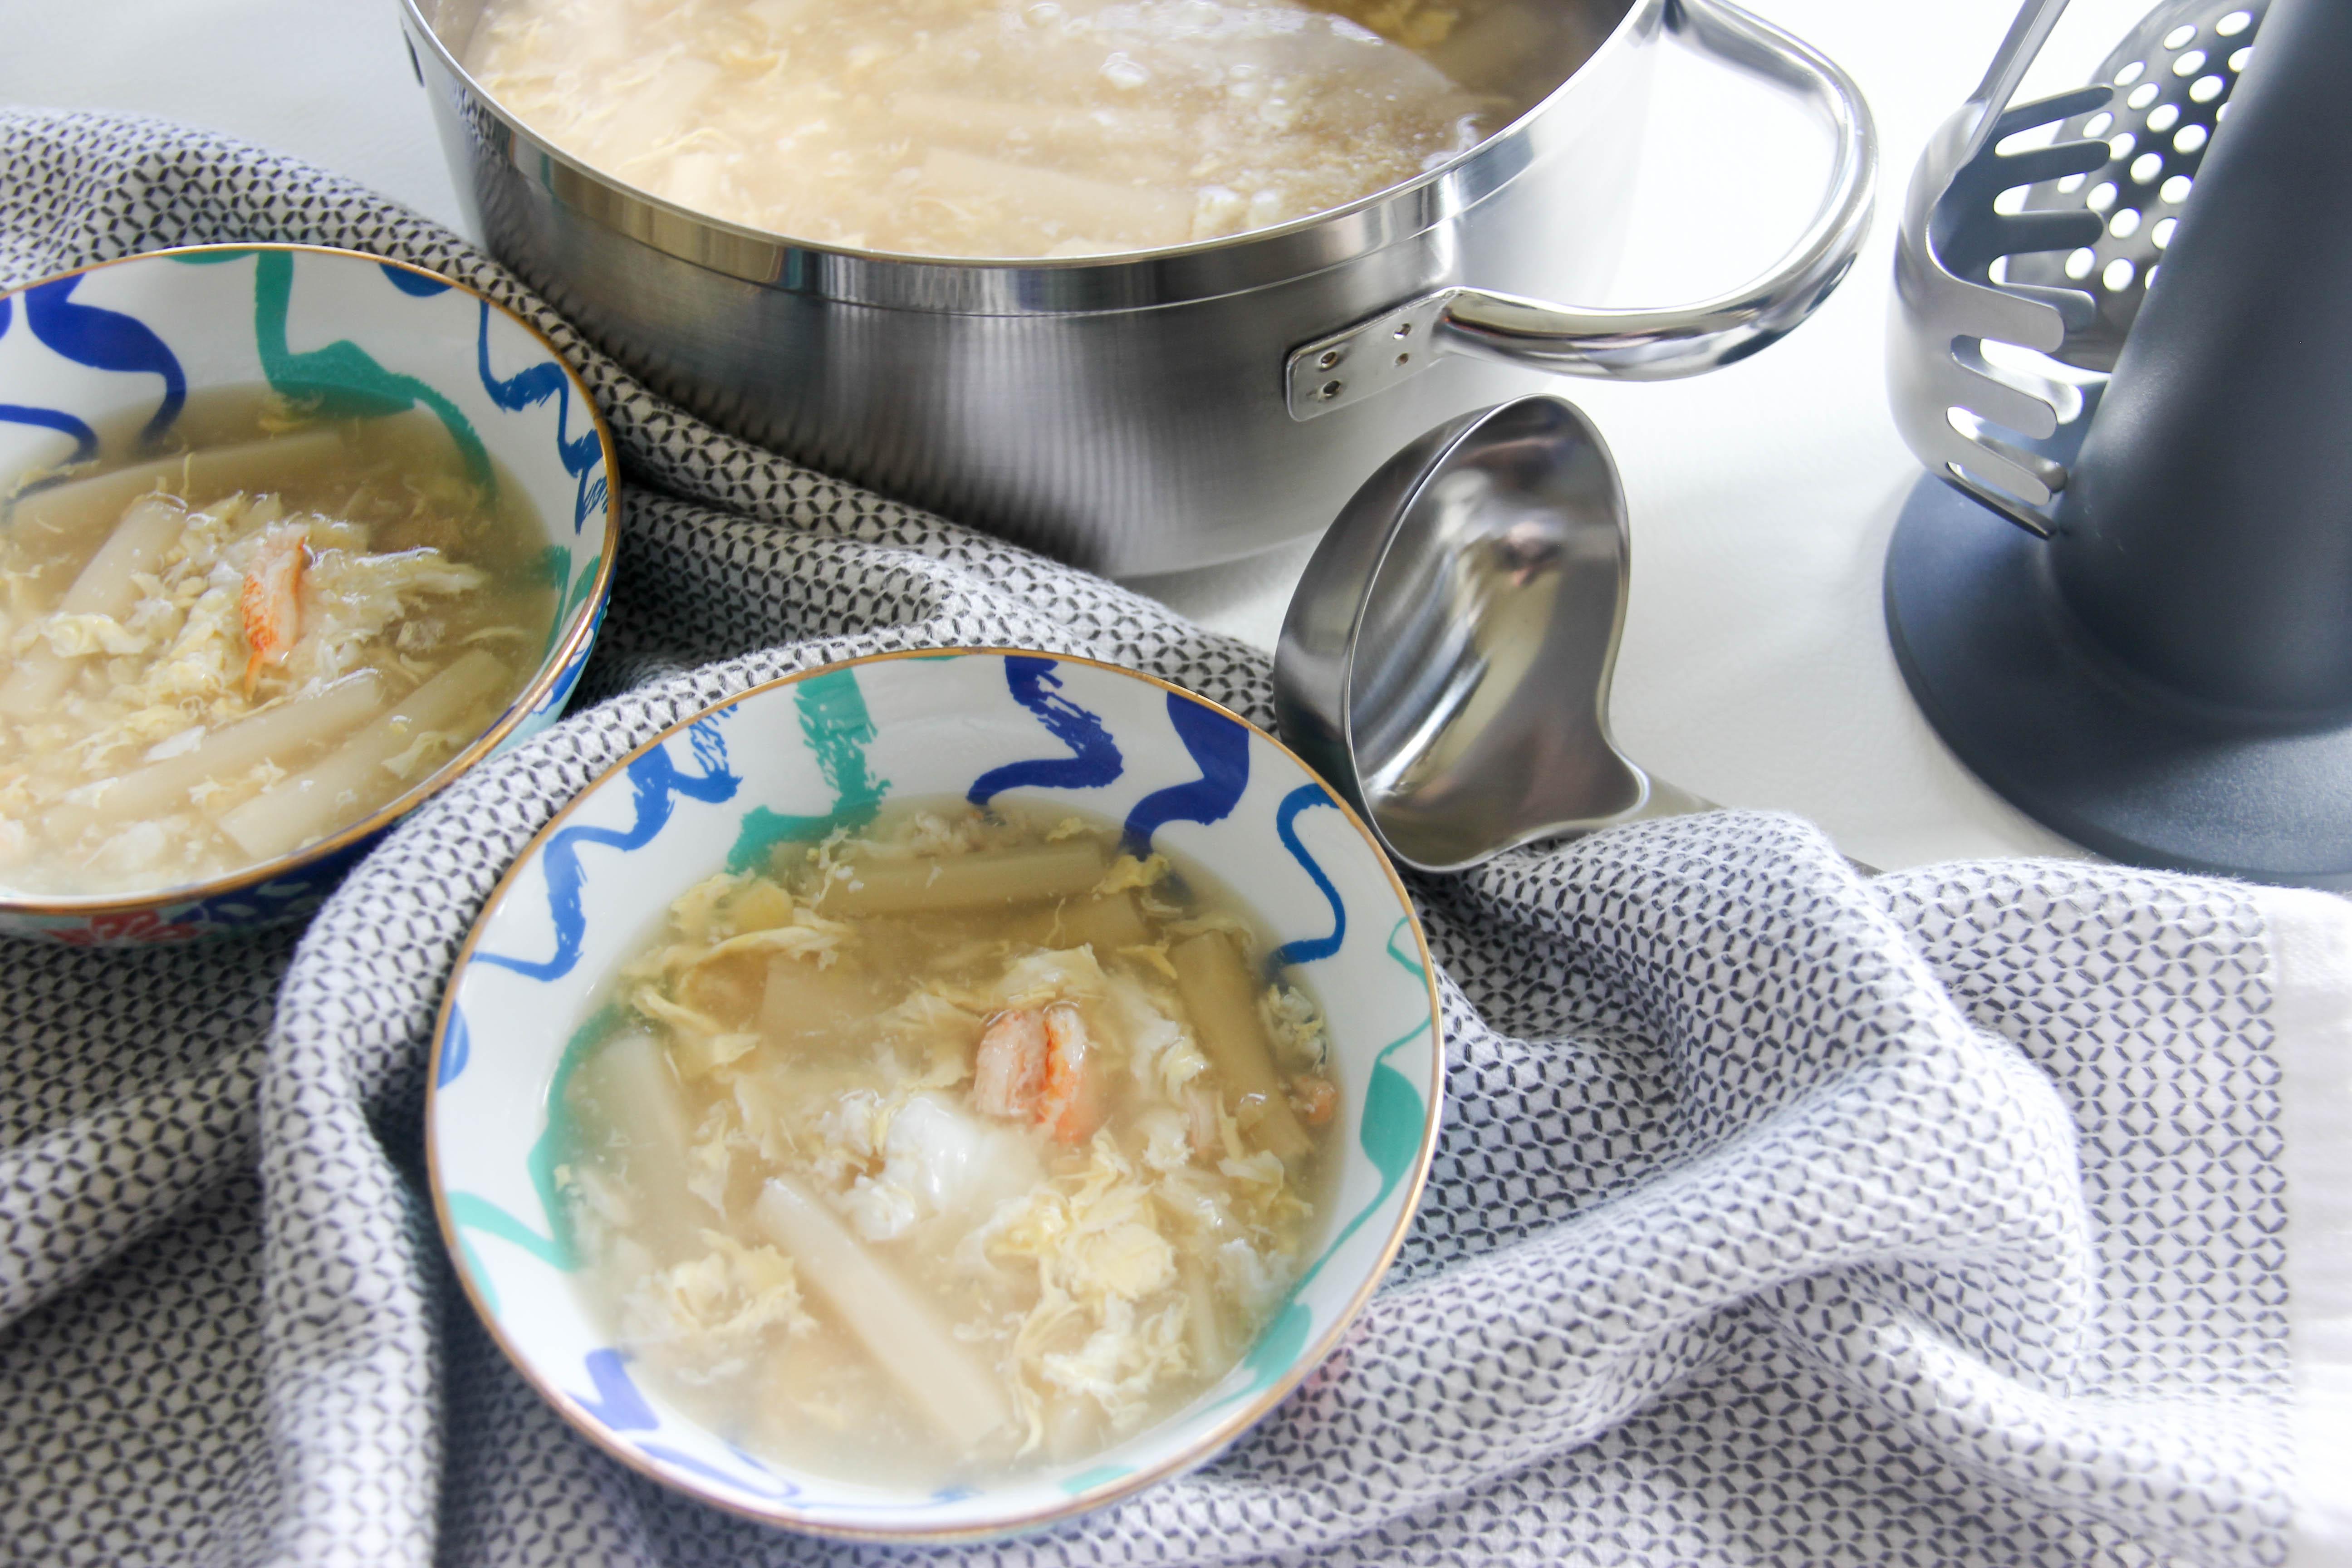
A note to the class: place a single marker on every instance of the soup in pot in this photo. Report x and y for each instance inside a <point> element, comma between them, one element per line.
<point>1004,128</point>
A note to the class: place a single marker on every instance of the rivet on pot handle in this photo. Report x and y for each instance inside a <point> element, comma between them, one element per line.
<point>1632,345</point>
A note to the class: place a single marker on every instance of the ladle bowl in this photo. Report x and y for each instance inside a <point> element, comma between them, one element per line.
<point>1447,657</point>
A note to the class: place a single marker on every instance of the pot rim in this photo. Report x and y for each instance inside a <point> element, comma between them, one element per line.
<point>1126,280</point>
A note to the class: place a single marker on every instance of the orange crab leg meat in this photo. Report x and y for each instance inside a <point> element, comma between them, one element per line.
<point>1011,1065</point>
<point>1063,1106</point>
<point>271,602</point>
<point>1032,1065</point>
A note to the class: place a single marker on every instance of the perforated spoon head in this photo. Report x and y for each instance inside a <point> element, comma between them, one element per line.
<point>2172,77</point>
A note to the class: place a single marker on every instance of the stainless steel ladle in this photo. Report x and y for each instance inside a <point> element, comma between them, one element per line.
<point>1447,657</point>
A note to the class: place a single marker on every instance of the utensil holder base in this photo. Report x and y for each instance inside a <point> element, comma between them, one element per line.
<point>2050,722</point>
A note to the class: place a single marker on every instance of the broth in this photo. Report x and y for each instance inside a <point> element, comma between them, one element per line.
<point>966,1145</point>
<point>1008,127</point>
<point>214,657</point>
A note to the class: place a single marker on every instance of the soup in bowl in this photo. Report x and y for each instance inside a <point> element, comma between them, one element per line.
<point>934,1095</point>
<point>291,537</point>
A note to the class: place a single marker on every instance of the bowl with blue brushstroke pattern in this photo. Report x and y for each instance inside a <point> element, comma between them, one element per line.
<point>126,345</point>
<point>795,759</point>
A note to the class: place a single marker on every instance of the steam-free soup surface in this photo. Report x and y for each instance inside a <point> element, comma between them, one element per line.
<point>965,1146</point>
<point>215,655</point>
<point>1005,128</point>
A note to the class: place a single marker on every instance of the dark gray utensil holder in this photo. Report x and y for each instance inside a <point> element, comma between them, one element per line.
<point>2168,679</point>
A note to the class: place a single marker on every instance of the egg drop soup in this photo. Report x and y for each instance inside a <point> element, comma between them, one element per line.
<point>963,1145</point>
<point>1005,128</point>
<point>214,656</point>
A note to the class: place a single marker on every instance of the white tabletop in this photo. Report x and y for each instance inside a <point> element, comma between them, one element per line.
<point>1755,669</point>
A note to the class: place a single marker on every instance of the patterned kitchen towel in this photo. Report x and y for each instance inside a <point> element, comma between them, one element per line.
<point>1780,1216</point>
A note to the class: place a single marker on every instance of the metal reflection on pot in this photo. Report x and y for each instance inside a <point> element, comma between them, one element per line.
<point>1157,409</point>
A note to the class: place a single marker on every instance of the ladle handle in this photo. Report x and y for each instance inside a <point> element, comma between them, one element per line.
<point>1639,344</point>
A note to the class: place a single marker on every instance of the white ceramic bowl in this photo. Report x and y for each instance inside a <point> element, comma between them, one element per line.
<point>140,335</point>
<point>1192,778</point>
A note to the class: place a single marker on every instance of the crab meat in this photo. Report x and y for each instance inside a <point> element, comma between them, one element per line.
<point>1063,1107</point>
<point>1315,1099</point>
<point>1011,1064</point>
<point>271,602</point>
<point>1032,1066</point>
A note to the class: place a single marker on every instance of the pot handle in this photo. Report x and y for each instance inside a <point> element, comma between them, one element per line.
<point>1632,345</point>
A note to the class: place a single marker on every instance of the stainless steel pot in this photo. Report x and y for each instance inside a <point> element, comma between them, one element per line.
<point>1163,409</point>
